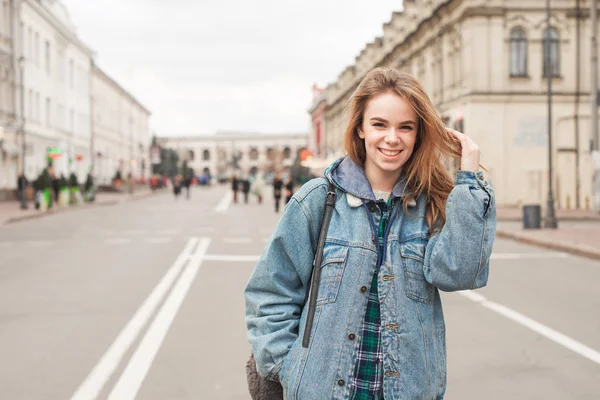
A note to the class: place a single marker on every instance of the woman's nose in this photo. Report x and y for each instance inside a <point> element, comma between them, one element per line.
<point>391,137</point>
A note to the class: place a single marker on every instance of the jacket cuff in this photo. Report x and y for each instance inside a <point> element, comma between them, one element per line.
<point>468,177</point>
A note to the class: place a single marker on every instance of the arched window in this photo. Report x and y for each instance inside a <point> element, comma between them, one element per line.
<point>551,52</point>
<point>206,155</point>
<point>518,52</point>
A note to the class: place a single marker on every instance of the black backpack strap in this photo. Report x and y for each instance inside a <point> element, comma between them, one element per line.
<point>316,271</point>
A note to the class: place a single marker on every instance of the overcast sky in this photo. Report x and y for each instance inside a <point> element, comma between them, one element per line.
<point>244,65</point>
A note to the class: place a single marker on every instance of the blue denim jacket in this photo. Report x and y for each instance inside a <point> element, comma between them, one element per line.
<point>414,268</point>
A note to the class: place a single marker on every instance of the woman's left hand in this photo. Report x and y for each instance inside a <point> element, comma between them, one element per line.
<point>470,151</point>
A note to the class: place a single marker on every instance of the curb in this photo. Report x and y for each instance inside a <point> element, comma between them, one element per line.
<point>549,244</point>
<point>55,211</point>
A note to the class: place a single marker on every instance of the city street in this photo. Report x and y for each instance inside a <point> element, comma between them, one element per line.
<point>145,300</point>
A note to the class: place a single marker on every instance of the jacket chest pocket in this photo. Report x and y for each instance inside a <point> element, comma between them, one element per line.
<point>413,257</point>
<point>332,271</point>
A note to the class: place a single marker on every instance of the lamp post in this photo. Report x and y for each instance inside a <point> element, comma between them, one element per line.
<point>550,221</point>
<point>22,129</point>
<point>594,112</point>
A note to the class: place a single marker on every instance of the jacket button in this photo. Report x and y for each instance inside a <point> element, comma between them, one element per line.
<point>373,207</point>
<point>363,289</point>
<point>341,382</point>
<point>352,336</point>
<point>373,239</point>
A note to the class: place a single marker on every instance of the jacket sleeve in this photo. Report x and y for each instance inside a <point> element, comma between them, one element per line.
<point>458,257</point>
<point>276,291</point>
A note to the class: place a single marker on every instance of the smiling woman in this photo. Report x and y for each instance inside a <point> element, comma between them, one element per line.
<point>378,328</point>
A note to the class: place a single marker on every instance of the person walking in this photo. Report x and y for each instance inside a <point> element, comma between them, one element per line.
<point>289,189</point>
<point>401,230</point>
<point>277,187</point>
<point>235,182</point>
<point>246,188</point>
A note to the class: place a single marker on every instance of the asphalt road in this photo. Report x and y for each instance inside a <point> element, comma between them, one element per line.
<point>145,300</point>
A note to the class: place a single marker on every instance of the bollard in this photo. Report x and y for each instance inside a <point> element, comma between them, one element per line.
<point>532,216</point>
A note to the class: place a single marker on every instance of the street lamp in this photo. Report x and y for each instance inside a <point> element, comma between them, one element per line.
<point>22,129</point>
<point>550,221</point>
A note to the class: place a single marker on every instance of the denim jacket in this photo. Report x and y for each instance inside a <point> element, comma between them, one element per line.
<point>414,268</point>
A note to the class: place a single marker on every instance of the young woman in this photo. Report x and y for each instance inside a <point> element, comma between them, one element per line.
<point>401,230</point>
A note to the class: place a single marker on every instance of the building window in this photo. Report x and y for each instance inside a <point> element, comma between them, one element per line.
<point>253,153</point>
<point>518,52</point>
<point>287,152</point>
<point>206,155</point>
<point>47,58</point>
<point>37,49</point>
<point>551,52</point>
<point>48,111</point>
<point>71,82</point>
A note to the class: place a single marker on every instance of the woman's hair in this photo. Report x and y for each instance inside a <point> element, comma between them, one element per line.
<point>423,171</point>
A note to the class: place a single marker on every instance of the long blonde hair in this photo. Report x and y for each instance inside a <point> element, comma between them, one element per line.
<point>424,171</point>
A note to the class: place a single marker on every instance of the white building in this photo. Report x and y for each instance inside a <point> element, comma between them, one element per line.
<point>9,124</point>
<point>240,153</point>
<point>482,64</point>
<point>57,76</point>
<point>121,136</point>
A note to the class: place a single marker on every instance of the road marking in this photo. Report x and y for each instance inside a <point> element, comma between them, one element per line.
<point>117,241</point>
<point>224,203</point>
<point>204,229</point>
<point>95,381</point>
<point>129,384</point>
<point>519,256</point>
<point>218,257</point>
<point>535,326</point>
<point>158,240</point>
<point>237,240</point>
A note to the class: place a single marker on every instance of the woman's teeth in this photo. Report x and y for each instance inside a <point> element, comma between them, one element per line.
<point>390,153</point>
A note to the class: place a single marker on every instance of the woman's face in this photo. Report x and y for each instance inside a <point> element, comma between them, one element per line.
<point>389,130</point>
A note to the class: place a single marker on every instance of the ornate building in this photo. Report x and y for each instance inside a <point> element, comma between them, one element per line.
<point>227,153</point>
<point>483,66</point>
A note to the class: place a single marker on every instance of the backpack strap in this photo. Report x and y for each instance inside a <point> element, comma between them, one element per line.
<point>316,270</point>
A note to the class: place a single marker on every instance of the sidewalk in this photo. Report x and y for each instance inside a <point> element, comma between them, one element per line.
<point>578,231</point>
<point>10,210</point>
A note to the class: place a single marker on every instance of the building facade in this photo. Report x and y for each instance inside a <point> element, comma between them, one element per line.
<point>56,89</point>
<point>121,135</point>
<point>227,153</point>
<point>483,66</point>
<point>9,124</point>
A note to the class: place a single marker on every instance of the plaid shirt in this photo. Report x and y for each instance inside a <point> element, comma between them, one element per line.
<point>367,382</point>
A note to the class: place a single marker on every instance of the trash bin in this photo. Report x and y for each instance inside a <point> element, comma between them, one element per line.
<point>532,216</point>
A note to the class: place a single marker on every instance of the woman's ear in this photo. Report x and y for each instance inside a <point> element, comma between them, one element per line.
<point>360,133</point>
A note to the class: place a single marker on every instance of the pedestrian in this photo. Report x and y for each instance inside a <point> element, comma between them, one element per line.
<point>177,186</point>
<point>245,188</point>
<point>401,230</point>
<point>187,182</point>
<point>257,187</point>
<point>289,189</point>
<point>277,187</point>
<point>235,187</point>
<point>22,184</point>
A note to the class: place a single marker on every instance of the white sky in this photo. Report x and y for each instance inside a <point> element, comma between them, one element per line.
<point>245,65</point>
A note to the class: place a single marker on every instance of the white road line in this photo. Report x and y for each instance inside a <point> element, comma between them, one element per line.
<point>93,384</point>
<point>224,203</point>
<point>218,257</point>
<point>117,241</point>
<point>237,240</point>
<point>129,384</point>
<point>520,256</point>
<point>535,326</point>
<point>158,240</point>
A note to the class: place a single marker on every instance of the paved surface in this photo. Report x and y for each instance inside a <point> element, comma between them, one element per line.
<point>144,299</point>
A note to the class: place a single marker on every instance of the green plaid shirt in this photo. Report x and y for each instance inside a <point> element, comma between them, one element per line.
<point>367,382</point>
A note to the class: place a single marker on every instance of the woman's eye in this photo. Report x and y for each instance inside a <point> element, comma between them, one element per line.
<point>378,124</point>
<point>406,128</point>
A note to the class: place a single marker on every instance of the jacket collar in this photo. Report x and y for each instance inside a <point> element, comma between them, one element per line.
<point>351,178</point>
